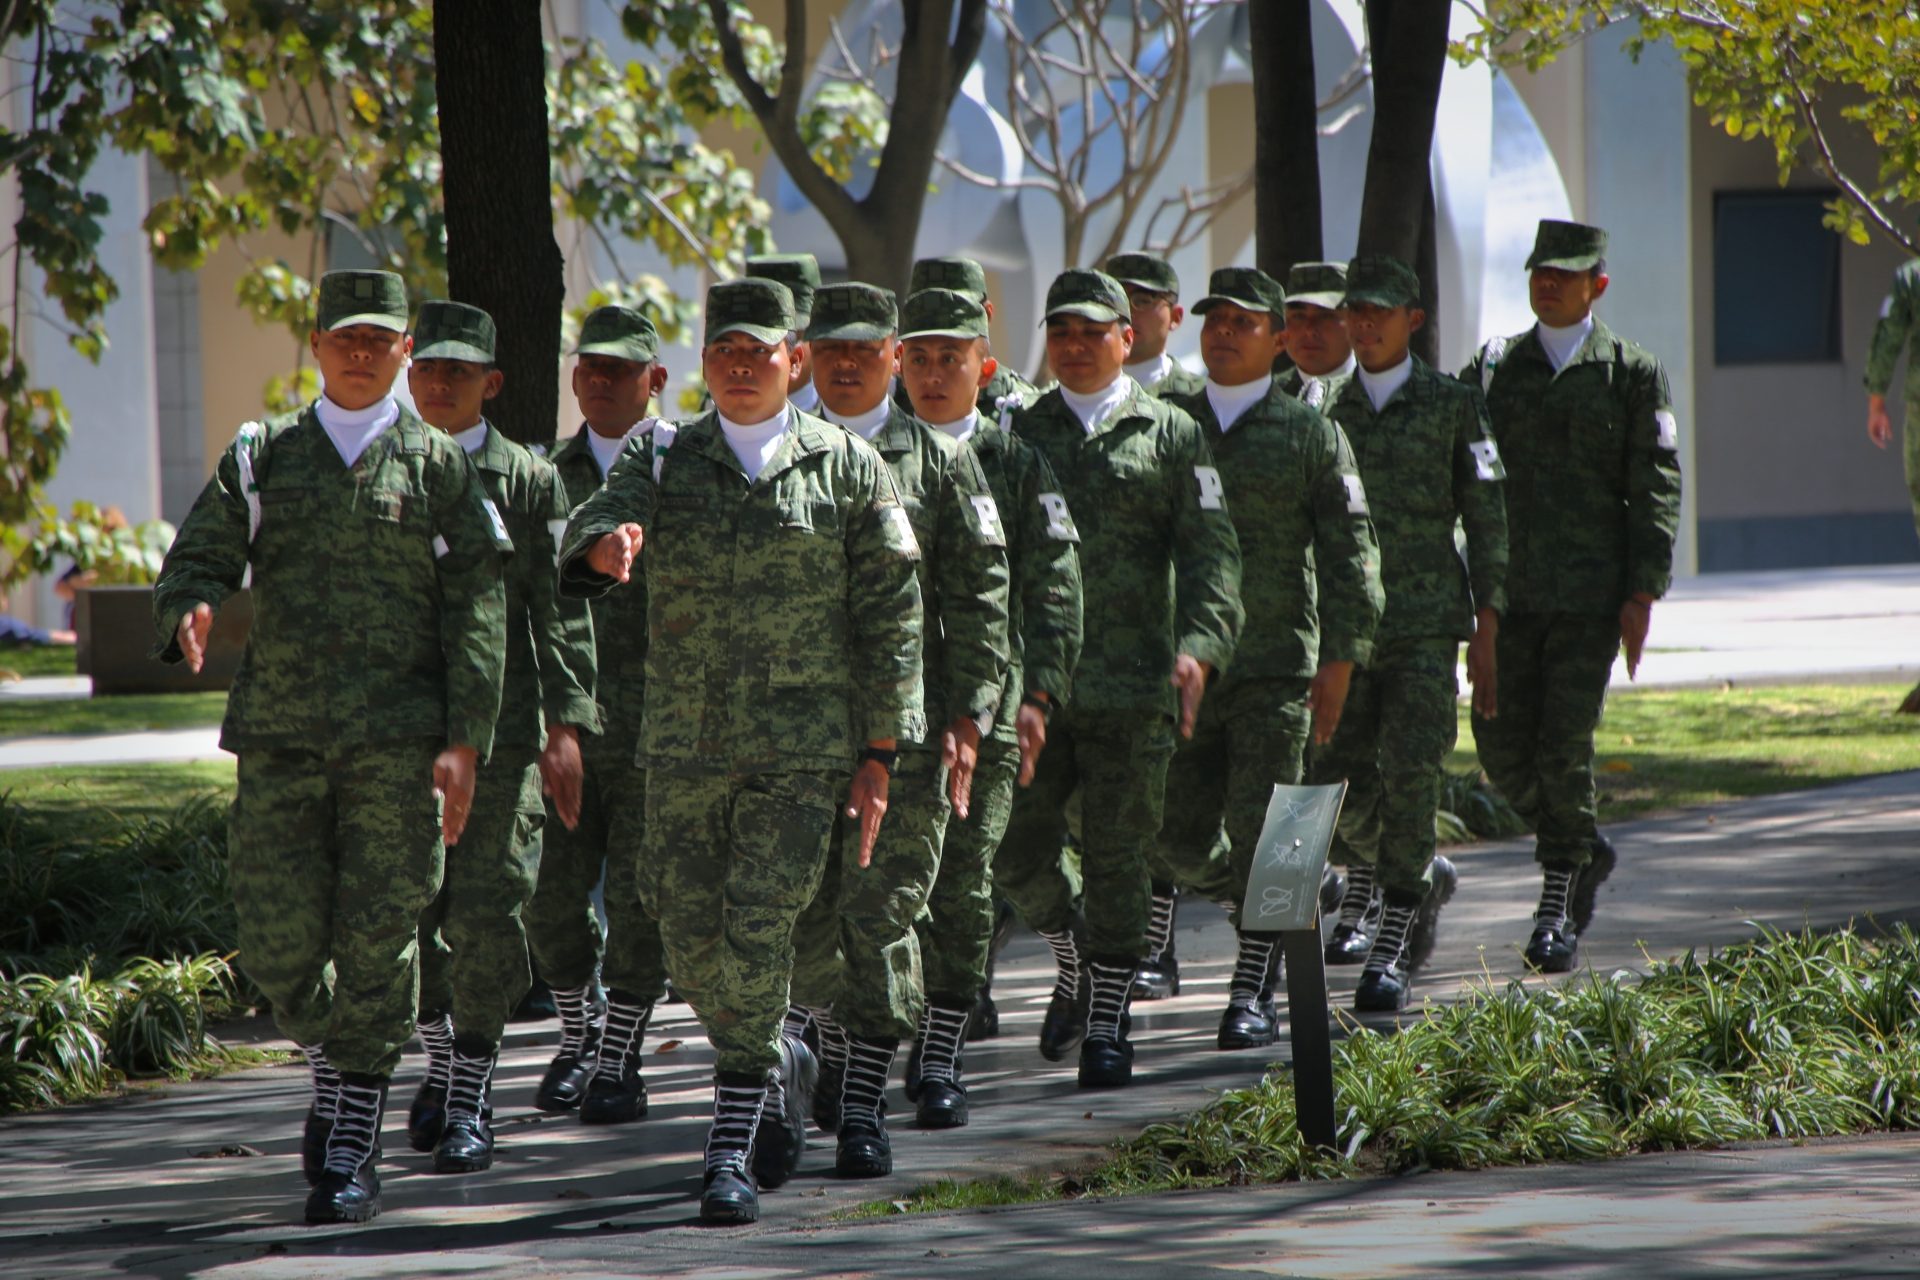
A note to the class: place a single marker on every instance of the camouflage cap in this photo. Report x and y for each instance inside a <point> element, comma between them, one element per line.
<point>1317,284</point>
<point>453,331</point>
<point>751,305</point>
<point>853,312</point>
<point>362,297</point>
<point>1093,294</point>
<point>1381,280</point>
<point>800,272</point>
<point>960,275</point>
<point>1144,271</point>
<point>1567,246</point>
<point>621,332</point>
<point>1246,287</point>
<point>943,313</point>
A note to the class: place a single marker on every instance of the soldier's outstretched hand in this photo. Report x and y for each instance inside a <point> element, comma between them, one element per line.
<point>612,554</point>
<point>560,772</point>
<point>1030,722</point>
<point>453,771</point>
<point>1879,422</point>
<point>195,623</point>
<point>1327,698</point>
<point>1190,678</point>
<point>1481,673</point>
<point>960,753</point>
<point>1636,616</point>
<point>867,801</point>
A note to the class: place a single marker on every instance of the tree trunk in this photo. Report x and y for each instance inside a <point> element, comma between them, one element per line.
<point>1409,44</point>
<point>1286,137</point>
<point>490,79</point>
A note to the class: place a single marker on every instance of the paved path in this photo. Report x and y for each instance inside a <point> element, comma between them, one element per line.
<point>139,1187</point>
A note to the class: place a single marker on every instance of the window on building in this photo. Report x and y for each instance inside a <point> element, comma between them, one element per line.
<point>1776,279</point>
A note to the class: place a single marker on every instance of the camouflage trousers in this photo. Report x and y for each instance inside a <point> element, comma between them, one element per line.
<point>562,927</point>
<point>956,929</point>
<point>473,947</point>
<point>1117,761</point>
<point>729,863</point>
<point>855,950</point>
<point>1910,447</point>
<point>1400,721</point>
<point>1554,669</point>
<point>1249,736</point>
<point>332,859</point>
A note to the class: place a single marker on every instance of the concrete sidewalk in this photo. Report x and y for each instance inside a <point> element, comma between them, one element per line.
<point>202,1179</point>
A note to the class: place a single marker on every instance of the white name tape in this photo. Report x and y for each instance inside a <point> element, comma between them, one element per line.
<point>1356,495</point>
<point>1669,437</point>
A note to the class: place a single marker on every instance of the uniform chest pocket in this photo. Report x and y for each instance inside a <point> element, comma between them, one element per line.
<point>388,506</point>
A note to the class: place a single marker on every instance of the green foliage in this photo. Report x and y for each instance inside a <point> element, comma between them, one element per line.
<point>1770,70</point>
<point>1471,808</point>
<point>97,540</point>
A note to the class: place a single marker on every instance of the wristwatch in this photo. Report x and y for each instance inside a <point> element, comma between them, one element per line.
<point>885,757</point>
<point>1035,700</point>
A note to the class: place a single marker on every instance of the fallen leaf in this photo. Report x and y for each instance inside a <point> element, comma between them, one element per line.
<point>1617,766</point>
<point>669,1046</point>
<point>232,1151</point>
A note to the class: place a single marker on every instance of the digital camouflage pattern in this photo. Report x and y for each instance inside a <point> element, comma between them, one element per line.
<point>956,929</point>
<point>1316,393</point>
<point>347,298</point>
<point>800,272</point>
<point>1179,382</point>
<point>1898,327</point>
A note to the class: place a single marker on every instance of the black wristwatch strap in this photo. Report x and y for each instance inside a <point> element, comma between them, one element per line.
<point>1045,704</point>
<point>882,755</point>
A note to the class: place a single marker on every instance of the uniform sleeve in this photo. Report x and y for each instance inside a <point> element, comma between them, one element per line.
<point>1208,613</point>
<point>1897,320</point>
<point>208,559</point>
<point>562,627</point>
<point>1479,494</point>
<point>1047,576</point>
<point>971,579</point>
<point>627,497</point>
<point>1653,481</point>
<point>469,546</point>
<point>883,607</point>
<point>1346,553</point>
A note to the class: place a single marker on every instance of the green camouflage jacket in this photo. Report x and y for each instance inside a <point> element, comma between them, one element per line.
<point>1044,605</point>
<point>1005,384</point>
<point>1429,461</point>
<point>550,659</point>
<point>1309,565</point>
<point>962,568</point>
<point>1159,564</point>
<point>1899,327</point>
<point>784,620</point>
<point>1180,381</point>
<point>1593,472</point>
<point>378,607</point>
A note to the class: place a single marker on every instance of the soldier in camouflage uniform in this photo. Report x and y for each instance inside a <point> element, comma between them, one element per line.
<point>1005,390</point>
<point>363,705</point>
<point>1153,289</point>
<point>1587,432</point>
<point>856,951</point>
<point>597,1069</point>
<point>784,635</point>
<point>800,272</point>
<point>1315,339</point>
<point>1161,574</point>
<point>944,362</point>
<point>473,948</point>
<point>1428,462</point>
<point>1310,580</point>
<point>1899,326</point>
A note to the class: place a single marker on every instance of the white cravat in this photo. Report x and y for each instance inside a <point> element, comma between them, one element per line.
<point>755,445</point>
<point>352,430</point>
<point>1381,386</point>
<point>807,398</point>
<point>1230,404</point>
<point>961,429</point>
<point>1560,344</point>
<point>865,425</point>
<point>606,449</point>
<point>1093,409</point>
<point>472,438</point>
<point>1150,373</point>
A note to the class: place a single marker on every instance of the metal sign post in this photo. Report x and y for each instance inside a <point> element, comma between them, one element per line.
<point>1283,896</point>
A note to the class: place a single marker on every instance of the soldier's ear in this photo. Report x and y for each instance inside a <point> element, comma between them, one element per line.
<point>496,379</point>
<point>1179,314</point>
<point>988,368</point>
<point>656,379</point>
<point>1416,316</point>
<point>1600,282</point>
<point>313,342</point>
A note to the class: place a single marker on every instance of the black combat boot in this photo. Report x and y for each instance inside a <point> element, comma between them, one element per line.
<point>1360,907</point>
<point>833,1070</point>
<point>1251,1021</point>
<point>865,1150</point>
<point>1554,946</point>
<point>466,1144</point>
<point>1442,880</point>
<point>319,1123</point>
<point>348,1189</point>
<point>1408,926</point>
<point>941,1096</point>
<point>565,1082</point>
<point>730,1196</point>
<point>1333,887</point>
<point>782,1133</point>
<point>1066,1022</point>
<point>616,1094</point>
<point>1586,886</point>
<point>1106,1056</point>
<point>428,1114</point>
<point>1159,974</point>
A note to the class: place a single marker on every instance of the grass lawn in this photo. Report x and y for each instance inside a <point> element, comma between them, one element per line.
<point>1669,749</point>
<point>37,660</point>
<point>128,790</point>
<point>31,717</point>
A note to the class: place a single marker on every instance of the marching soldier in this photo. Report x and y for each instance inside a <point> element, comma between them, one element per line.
<point>784,644</point>
<point>1587,433</point>
<point>1428,463</point>
<point>1315,339</point>
<point>363,706</point>
<point>1005,390</point>
<point>596,1070</point>
<point>1153,290</point>
<point>800,272</point>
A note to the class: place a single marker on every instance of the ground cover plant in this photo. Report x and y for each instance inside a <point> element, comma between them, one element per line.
<point>132,713</point>
<point>1790,1035</point>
